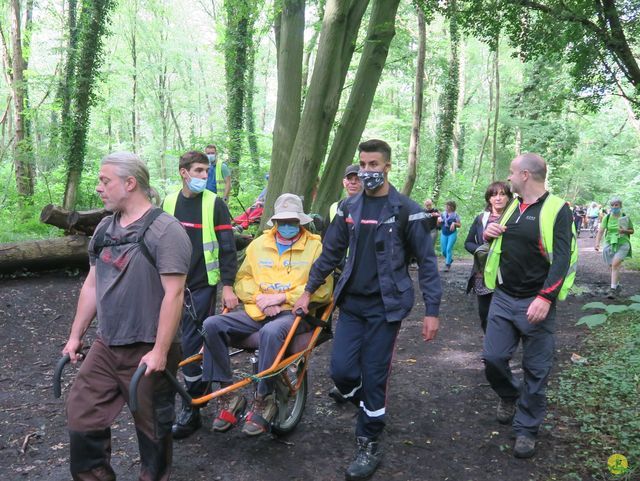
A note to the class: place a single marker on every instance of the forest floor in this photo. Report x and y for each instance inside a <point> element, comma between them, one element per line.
<point>441,421</point>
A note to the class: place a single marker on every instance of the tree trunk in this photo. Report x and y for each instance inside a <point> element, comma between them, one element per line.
<point>337,42</point>
<point>134,83</point>
<point>447,116</point>
<point>240,19</point>
<point>250,115</point>
<point>45,254</point>
<point>483,146</point>
<point>380,33</point>
<point>414,141</point>
<point>289,59</point>
<point>93,22</point>
<point>72,221</point>
<point>22,148</point>
<point>494,143</point>
<point>458,128</point>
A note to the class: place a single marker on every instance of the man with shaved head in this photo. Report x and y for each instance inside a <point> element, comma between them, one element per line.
<point>531,265</point>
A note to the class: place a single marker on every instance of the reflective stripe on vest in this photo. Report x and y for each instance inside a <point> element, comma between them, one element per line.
<point>209,240</point>
<point>219,177</point>
<point>548,214</point>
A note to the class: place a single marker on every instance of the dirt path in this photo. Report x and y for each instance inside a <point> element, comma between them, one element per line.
<point>441,422</point>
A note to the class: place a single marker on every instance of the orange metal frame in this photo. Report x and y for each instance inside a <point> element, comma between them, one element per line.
<point>278,364</point>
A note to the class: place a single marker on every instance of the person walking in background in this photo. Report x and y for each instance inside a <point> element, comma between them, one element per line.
<point>615,229</point>
<point>219,175</point>
<point>578,218</point>
<point>593,213</point>
<point>449,222</point>
<point>432,219</point>
<point>497,196</point>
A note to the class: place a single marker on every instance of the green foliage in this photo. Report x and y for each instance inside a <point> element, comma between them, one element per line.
<point>602,396</point>
<point>594,320</point>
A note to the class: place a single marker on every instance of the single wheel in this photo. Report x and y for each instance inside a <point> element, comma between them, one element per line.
<point>290,407</point>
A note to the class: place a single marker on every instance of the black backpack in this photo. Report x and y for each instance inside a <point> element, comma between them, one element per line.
<point>99,241</point>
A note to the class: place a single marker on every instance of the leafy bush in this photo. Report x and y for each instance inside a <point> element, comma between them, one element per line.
<point>603,396</point>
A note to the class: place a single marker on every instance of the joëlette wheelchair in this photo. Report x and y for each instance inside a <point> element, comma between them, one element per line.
<point>289,367</point>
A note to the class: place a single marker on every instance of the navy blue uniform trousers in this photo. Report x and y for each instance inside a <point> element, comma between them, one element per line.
<point>361,359</point>
<point>201,303</point>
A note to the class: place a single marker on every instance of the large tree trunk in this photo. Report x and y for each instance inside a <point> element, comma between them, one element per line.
<point>22,150</point>
<point>414,140</point>
<point>290,41</point>
<point>337,42</point>
<point>70,251</point>
<point>93,22</point>
<point>240,18</point>
<point>250,114</point>
<point>449,104</point>
<point>380,33</point>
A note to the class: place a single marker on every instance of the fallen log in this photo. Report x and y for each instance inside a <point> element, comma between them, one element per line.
<point>72,221</point>
<point>45,254</point>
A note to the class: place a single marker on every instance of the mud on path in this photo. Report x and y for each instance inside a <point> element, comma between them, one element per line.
<point>441,410</point>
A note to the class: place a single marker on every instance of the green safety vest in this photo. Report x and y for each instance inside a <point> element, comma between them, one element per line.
<point>548,214</point>
<point>219,177</point>
<point>209,240</point>
<point>332,210</point>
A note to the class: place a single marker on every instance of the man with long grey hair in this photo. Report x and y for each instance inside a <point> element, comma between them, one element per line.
<point>139,258</point>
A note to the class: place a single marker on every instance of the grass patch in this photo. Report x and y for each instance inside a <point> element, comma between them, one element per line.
<point>603,397</point>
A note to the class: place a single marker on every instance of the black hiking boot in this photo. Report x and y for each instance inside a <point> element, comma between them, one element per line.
<point>525,446</point>
<point>506,410</point>
<point>337,396</point>
<point>187,422</point>
<point>366,461</point>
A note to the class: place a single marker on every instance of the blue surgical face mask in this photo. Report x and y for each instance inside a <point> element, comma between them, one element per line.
<point>288,231</point>
<point>196,185</point>
<point>615,210</point>
<point>212,157</point>
<point>371,180</point>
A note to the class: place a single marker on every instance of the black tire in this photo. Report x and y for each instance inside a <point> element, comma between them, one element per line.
<point>290,408</point>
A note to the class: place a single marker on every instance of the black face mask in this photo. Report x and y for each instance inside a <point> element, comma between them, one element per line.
<point>371,180</point>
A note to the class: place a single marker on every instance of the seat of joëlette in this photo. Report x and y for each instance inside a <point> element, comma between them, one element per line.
<point>298,343</point>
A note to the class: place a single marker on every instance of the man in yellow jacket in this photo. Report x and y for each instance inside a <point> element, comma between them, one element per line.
<point>271,278</point>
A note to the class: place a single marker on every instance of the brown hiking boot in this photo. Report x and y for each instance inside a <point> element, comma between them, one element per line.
<point>231,407</point>
<point>263,411</point>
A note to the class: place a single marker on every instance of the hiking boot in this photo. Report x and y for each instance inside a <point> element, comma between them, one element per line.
<point>612,293</point>
<point>263,411</point>
<point>447,267</point>
<point>366,461</point>
<point>337,396</point>
<point>506,410</point>
<point>231,407</point>
<point>525,447</point>
<point>187,422</point>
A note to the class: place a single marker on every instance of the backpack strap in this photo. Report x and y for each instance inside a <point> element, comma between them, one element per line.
<point>100,242</point>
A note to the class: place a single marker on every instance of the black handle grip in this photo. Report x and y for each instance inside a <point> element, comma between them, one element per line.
<point>299,312</point>
<point>135,380</point>
<point>57,375</point>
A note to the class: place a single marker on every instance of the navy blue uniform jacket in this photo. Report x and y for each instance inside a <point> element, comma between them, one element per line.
<point>399,237</point>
